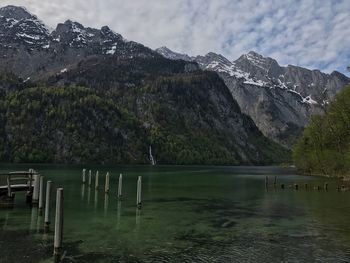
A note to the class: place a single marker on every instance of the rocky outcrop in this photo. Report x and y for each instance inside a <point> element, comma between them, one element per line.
<point>280,100</point>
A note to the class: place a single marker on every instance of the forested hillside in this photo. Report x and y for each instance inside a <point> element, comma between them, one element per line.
<point>324,147</point>
<point>186,118</point>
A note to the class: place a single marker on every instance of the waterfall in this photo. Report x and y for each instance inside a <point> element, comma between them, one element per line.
<point>153,161</point>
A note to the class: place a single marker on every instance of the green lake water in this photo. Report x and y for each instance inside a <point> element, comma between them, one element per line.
<point>189,214</point>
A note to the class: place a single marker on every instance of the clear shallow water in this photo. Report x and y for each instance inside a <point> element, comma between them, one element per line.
<point>189,214</point>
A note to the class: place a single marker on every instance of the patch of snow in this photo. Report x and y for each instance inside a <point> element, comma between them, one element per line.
<point>309,100</point>
<point>256,83</point>
<point>34,37</point>
<point>63,70</point>
<point>112,50</point>
<point>233,71</point>
<point>257,61</point>
<point>282,84</point>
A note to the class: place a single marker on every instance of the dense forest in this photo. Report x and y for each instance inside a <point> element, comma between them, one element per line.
<point>324,148</point>
<point>186,118</point>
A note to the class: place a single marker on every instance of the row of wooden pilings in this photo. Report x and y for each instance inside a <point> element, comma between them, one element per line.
<point>297,186</point>
<point>38,198</point>
<point>87,178</point>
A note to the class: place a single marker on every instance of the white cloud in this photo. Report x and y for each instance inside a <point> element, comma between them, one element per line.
<point>310,33</point>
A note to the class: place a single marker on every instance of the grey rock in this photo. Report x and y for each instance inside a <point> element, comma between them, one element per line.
<point>280,100</point>
<point>166,52</point>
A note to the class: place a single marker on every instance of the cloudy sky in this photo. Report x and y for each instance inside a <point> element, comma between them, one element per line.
<point>309,33</point>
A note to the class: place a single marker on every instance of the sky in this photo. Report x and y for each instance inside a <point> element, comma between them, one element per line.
<point>309,33</point>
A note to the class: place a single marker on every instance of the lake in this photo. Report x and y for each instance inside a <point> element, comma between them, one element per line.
<point>189,214</point>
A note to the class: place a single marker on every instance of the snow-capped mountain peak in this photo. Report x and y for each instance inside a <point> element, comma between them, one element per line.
<point>280,99</point>
<point>15,12</point>
<point>166,52</point>
<point>18,26</point>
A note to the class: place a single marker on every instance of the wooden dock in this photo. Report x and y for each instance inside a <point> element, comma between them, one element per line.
<point>18,181</point>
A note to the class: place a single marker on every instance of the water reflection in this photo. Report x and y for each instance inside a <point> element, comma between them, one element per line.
<point>106,203</point>
<point>33,218</point>
<point>138,219</point>
<point>39,222</point>
<point>6,221</point>
<point>96,199</point>
<point>82,192</point>
<point>89,195</point>
<point>119,208</point>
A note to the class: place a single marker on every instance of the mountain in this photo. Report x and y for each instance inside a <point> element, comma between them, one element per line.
<point>280,100</point>
<point>78,94</point>
<point>166,52</point>
<point>24,38</point>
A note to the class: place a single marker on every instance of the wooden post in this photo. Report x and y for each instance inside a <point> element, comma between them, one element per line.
<point>138,197</point>
<point>84,176</point>
<point>96,180</point>
<point>306,186</point>
<point>58,222</point>
<point>107,183</point>
<point>47,204</point>
<point>41,194</point>
<point>296,186</point>
<point>282,186</point>
<point>275,182</point>
<point>266,182</point>
<point>326,186</point>
<point>120,185</point>
<point>36,185</point>
<point>29,193</point>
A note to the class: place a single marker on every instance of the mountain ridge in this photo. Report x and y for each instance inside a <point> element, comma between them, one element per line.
<point>280,100</point>
<point>79,94</point>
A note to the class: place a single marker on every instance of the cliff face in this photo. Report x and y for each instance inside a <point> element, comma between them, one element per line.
<point>280,100</point>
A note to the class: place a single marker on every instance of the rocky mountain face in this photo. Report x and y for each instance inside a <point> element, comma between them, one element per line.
<point>24,38</point>
<point>80,94</point>
<point>280,100</point>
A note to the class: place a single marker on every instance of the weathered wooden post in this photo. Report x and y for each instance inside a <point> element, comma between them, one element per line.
<point>36,186</point>
<point>275,182</point>
<point>58,223</point>
<point>138,197</point>
<point>29,193</point>
<point>84,176</point>
<point>107,183</point>
<point>96,180</point>
<point>120,185</point>
<point>41,194</point>
<point>282,186</point>
<point>90,177</point>
<point>306,186</point>
<point>47,205</point>
<point>266,182</point>
<point>296,186</point>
